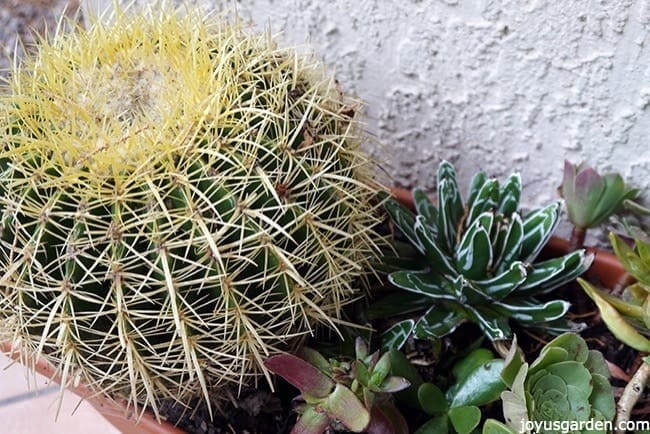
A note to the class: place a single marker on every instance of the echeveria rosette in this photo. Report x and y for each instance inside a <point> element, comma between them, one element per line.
<point>479,259</point>
<point>567,382</point>
<point>591,198</point>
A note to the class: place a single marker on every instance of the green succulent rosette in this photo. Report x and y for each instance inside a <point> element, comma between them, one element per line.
<point>566,386</point>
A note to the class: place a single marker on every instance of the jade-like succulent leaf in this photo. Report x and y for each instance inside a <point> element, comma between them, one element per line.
<point>431,398</point>
<point>481,386</point>
<point>436,425</point>
<point>467,364</point>
<point>464,419</point>
<point>394,384</point>
<point>450,206</point>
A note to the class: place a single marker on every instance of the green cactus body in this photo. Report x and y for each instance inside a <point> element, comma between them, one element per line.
<point>179,200</point>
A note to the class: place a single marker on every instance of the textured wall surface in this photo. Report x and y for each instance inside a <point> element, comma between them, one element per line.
<point>499,85</point>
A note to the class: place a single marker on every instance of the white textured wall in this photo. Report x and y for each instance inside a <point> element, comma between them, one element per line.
<point>498,85</point>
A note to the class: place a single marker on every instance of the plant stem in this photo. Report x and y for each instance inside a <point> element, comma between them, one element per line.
<point>631,394</point>
<point>577,240</point>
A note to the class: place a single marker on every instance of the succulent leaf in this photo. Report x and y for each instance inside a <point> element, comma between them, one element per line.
<point>509,195</point>
<point>465,419</point>
<point>425,208</point>
<point>311,421</point>
<point>538,227</point>
<point>438,322</point>
<point>344,406</point>
<point>301,374</point>
<point>396,336</point>
<point>590,197</point>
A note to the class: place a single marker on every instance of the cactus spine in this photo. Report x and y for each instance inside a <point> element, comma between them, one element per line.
<point>178,200</point>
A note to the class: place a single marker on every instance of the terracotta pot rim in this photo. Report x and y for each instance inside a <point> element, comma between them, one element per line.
<point>114,411</point>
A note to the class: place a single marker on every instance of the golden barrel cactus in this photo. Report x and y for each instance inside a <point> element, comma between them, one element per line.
<point>179,199</point>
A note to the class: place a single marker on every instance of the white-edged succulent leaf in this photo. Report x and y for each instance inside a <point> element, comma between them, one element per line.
<point>396,335</point>
<point>493,326</point>
<point>439,262</point>
<point>486,200</point>
<point>437,322</point>
<point>503,284</point>
<point>450,206</point>
<point>475,187</point>
<point>508,244</point>
<point>423,283</point>
<point>509,195</point>
<point>549,274</point>
<point>425,208</point>
<point>530,311</point>
<point>474,252</point>
<point>538,227</point>
<point>404,220</point>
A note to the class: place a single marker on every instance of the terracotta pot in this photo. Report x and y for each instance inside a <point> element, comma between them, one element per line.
<point>606,270</point>
<point>114,411</point>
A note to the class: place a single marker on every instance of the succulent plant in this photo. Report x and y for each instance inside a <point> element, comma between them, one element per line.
<point>591,198</point>
<point>179,199</point>
<point>627,317</point>
<point>476,382</point>
<point>480,261</point>
<point>567,383</point>
<point>353,393</point>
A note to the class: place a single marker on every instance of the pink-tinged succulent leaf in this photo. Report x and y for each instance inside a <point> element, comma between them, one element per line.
<point>567,189</point>
<point>588,190</point>
<point>344,405</point>
<point>312,421</point>
<point>315,358</point>
<point>394,384</point>
<point>394,416</point>
<point>305,377</point>
<point>360,348</point>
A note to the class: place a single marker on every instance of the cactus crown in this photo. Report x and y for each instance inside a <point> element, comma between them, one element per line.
<point>480,259</point>
<point>178,201</point>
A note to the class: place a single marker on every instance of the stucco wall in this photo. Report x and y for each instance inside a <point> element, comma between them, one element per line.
<point>498,85</point>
